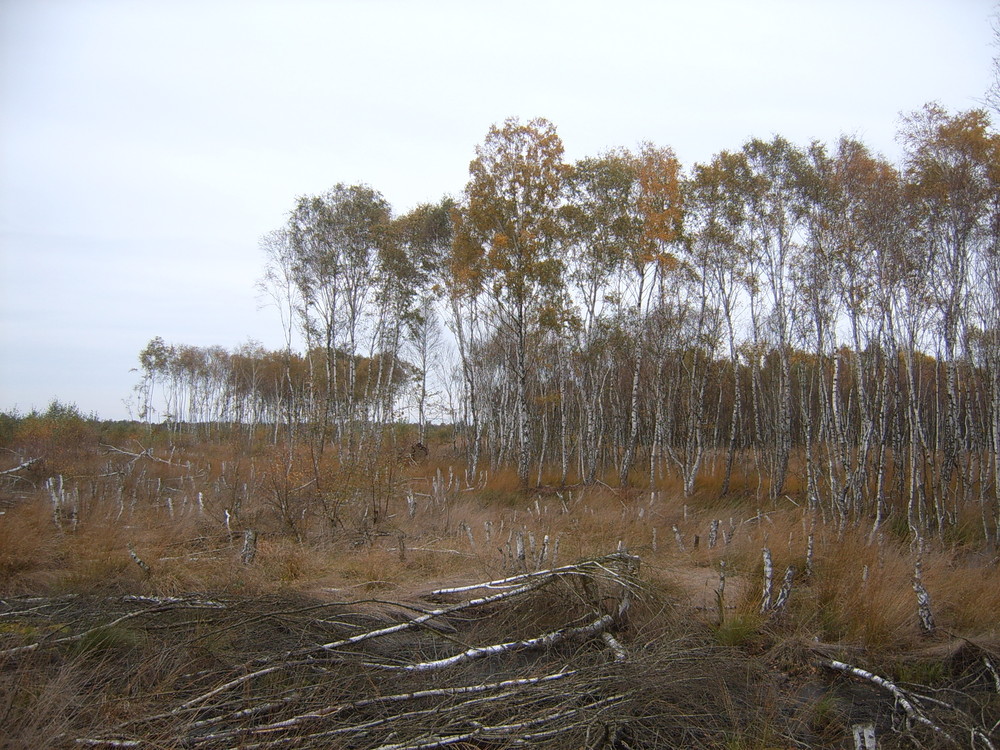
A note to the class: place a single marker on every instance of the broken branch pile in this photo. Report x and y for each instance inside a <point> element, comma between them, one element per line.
<point>576,656</point>
<point>533,659</point>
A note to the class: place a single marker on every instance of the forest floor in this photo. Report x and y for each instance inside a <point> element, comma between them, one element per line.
<point>167,599</point>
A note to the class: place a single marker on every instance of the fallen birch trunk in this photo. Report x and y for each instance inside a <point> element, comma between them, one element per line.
<point>529,582</point>
<point>20,467</point>
<point>144,453</point>
<point>501,730</point>
<point>416,695</point>
<point>903,699</point>
<point>547,640</point>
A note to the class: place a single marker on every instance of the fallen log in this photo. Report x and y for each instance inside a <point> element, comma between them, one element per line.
<point>20,467</point>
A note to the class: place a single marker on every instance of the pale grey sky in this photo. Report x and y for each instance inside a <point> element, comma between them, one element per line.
<point>145,146</point>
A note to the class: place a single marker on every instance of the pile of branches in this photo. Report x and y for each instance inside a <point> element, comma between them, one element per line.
<point>577,656</point>
<point>550,658</point>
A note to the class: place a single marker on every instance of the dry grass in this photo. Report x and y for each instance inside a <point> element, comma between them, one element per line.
<point>859,593</point>
<point>391,531</point>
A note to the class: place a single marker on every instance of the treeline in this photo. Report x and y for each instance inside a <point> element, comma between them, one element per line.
<point>814,315</point>
<point>203,388</point>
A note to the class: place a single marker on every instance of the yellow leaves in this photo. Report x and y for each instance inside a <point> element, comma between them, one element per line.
<point>667,262</point>
<point>550,317</point>
<point>512,199</point>
<point>659,200</point>
<point>465,263</point>
<point>952,170</point>
<point>631,207</point>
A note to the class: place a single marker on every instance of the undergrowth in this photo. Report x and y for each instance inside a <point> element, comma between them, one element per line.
<point>100,522</point>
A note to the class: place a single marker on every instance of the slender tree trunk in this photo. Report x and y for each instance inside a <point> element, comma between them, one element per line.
<point>523,426</point>
<point>632,440</point>
<point>563,421</point>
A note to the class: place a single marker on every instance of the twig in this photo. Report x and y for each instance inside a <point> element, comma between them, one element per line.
<point>993,671</point>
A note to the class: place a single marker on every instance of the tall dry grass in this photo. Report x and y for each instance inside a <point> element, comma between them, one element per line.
<point>390,529</point>
<point>337,527</point>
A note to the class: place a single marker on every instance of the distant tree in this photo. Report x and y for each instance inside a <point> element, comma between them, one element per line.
<point>716,228</point>
<point>656,209</point>
<point>279,283</point>
<point>600,229</point>
<point>854,221</point>
<point>425,236</point>
<point>773,195</point>
<point>153,360</point>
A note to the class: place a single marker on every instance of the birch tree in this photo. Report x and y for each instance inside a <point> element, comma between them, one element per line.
<point>278,283</point>
<point>773,200</point>
<point>510,220</point>
<point>153,360</point>
<point>657,216</point>
<point>336,238</point>
<point>715,222</point>
<point>600,229</point>
<point>426,234</point>
<point>950,167</point>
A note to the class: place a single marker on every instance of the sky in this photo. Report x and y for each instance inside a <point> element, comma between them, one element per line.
<point>146,146</point>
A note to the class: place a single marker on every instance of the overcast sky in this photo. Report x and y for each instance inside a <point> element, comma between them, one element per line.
<point>145,146</point>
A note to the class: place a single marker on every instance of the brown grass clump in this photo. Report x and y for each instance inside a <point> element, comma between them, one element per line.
<point>863,594</point>
<point>966,595</point>
<point>40,704</point>
<point>28,546</point>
